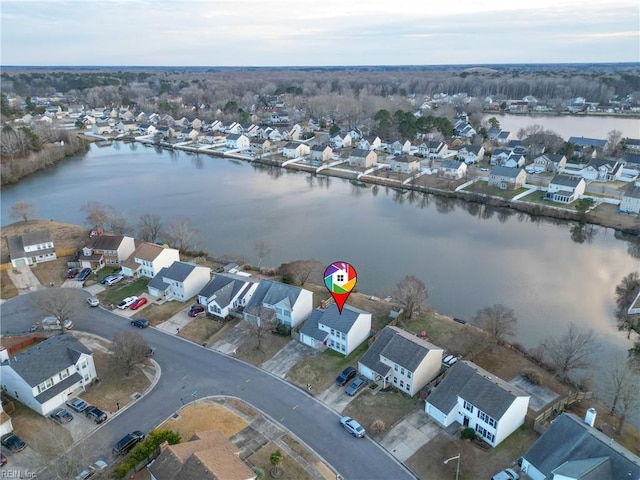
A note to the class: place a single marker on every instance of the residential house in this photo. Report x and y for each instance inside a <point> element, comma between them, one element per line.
<point>340,140</point>
<point>342,332</point>
<point>166,131</point>
<point>551,162</point>
<point>583,142</point>
<point>355,134</point>
<point>148,259</point>
<point>216,126</point>
<point>471,154</point>
<point>274,134</point>
<point>234,128</point>
<point>631,199</point>
<point>226,291</point>
<point>514,161</point>
<point>168,120</point>
<point>401,359</point>
<point>295,150</point>
<point>321,153</point>
<point>601,170</point>
<point>193,135</point>
<point>196,124</point>
<point>126,126</point>
<point>518,144</point>
<point>371,142</point>
<point>476,399</point>
<point>631,162</point>
<point>453,169</point>
<point>260,146</point>
<point>109,250</point>
<point>252,131</point>
<point>507,178</point>
<point>632,145</point>
<point>565,188</point>
<point>207,455</point>
<point>154,118</point>
<point>44,376</point>
<point>572,449</point>
<point>362,158</point>
<point>504,137</point>
<point>399,147</point>
<point>404,164</point>
<point>464,129</point>
<point>499,156</point>
<point>295,132</point>
<point>237,141</point>
<point>179,281</point>
<point>492,133</point>
<point>30,248</point>
<point>183,122</point>
<point>432,149</point>
<point>101,127</point>
<point>274,301</point>
<point>142,118</point>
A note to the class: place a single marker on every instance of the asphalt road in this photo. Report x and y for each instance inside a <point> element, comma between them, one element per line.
<point>190,371</point>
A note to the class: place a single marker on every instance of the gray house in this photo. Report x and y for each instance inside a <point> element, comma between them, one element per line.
<point>342,332</point>
<point>30,248</point>
<point>275,301</point>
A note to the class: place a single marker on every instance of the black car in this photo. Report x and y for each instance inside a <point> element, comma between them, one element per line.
<point>126,443</point>
<point>61,416</point>
<point>95,414</point>
<point>13,442</point>
<point>84,274</point>
<point>346,375</point>
<point>140,322</point>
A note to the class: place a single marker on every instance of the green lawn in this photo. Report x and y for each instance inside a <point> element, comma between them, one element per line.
<point>117,292</point>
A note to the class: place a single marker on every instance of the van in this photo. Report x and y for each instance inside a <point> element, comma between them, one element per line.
<point>126,443</point>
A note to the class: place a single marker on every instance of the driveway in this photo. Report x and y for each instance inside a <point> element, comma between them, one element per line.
<point>287,357</point>
<point>24,279</point>
<point>409,435</point>
<point>175,323</point>
<point>232,340</point>
<point>334,397</point>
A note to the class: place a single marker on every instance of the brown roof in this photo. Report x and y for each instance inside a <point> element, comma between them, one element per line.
<point>145,251</point>
<point>208,455</point>
<point>105,242</point>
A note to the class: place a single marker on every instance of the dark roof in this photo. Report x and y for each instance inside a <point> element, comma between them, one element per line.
<point>472,148</point>
<point>292,145</point>
<point>178,271</point>
<point>224,287</point>
<point>569,439</point>
<point>566,180</point>
<point>487,392</point>
<point>48,358</point>
<point>158,282</point>
<point>272,293</point>
<point>17,243</point>
<point>310,327</point>
<point>452,164</point>
<point>499,151</point>
<point>59,387</point>
<point>333,319</point>
<point>360,152</point>
<point>552,157</point>
<point>504,134</point>
<point>105,242</point>
<point>516,143</point>
<point>371,358</point>
<point>587,142</point>
<point>633,141</point>
<point>632,191</point>
<point>405,159</point>
<point>630,158</point>
<point>234,136</point>
<point>505,171</point>
<point>37,237</point>
<point>319,148</point>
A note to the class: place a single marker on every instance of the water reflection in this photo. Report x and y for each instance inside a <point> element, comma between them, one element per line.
<point>582,233</point>
<point>445,204</point>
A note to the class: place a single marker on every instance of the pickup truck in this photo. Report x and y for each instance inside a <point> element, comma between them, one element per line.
<point>52,323</point>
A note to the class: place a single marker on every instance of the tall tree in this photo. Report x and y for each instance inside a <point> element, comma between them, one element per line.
<point>626,292</point>
<point>411,293</point>
<point>129,349</point>
<point>618,379</point>
<point>180,233</point>
<point>629,402</point>
<point>149,227</point>
<point>497,320</point>
<point>263,250</point>
<point>613,141</point>
<point>299,271</point>
<point>572,350</point>
<point>61,303</point>
<point>97,214</point>
<point>22,210</point>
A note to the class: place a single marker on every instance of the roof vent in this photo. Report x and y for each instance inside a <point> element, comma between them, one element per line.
<point>590,417</point>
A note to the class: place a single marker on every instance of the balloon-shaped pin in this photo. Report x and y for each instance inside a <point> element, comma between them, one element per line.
<point>340,279</point>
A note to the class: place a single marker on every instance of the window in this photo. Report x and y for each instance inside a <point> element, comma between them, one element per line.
<point>395,367</point>
<point>487,419</point>
<point>395,379</point>
<point>468,406</point>
<point>408,374</point>
<point>333,332</point>
<point>402,371</point>
<point>401,384</point>
<point>408,387</point>
<point>340,277</point>
<point>64,374</point>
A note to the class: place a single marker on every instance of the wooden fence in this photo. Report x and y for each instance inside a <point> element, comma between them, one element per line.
<point>540,423</point>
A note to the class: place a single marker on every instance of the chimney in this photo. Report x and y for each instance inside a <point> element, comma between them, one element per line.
<point>590,417</point>
<point>4,355</point>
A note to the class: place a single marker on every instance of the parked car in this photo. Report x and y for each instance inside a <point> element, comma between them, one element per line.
<point>72,272</point>
<point>84,274</point>
<point>126,443</point>
<point>93,301</point>
<point>114,279</point>
<point>95,414</point>
<point>77,405</point>
<point>106,278</point>
<point>196,310</point>
<point>346,375</point>
<point>13,442</point>
<point>355,386</point>
<point>506,474</point>
<point>451,361</point>
<point>140,322</point>
<point>61,416</point>
<point>91,470</point>
<point>353,427</point>
<point>126,302</point>
<point>447,358</point>
<point>52,323</point>
<point>141,301</point>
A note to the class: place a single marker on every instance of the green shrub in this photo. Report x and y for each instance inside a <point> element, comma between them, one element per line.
<point>468,434</point>
<point>284,330</point>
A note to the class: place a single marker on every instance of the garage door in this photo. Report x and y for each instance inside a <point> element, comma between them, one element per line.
<point>21,262</point>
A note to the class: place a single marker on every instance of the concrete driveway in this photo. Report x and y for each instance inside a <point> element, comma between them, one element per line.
<point>24,279</point>
<point>175,323</point>
<point>335,398</point>
<point>409,435</point>
<point>233,339</point>
<point>287,357</point>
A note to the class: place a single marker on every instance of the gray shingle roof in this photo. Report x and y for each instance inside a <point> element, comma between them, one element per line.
<point>105,242</point>
<point>271,293</point>
<point>454,164</point>
<point>332,318</point>
<point>310,327</point>
<point>632,191</point>
<point>234,136</point>
<point>179,271</point>
<point>17,243</point>
<point>47,358</point>
<point>566,180</point>
<point>569,439</point>
<point>59,387</point>
<point>587,142</point>
<point>371,358</point>
<point>225,287</point>
<point>319,148</point>
<point>505,171</point>
<point>158,282</point>
<point>291,145</point>
<point>359,152</point>
<point>487,392</point>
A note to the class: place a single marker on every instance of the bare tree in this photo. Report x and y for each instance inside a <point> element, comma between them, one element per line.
<point>299,270</point>
<point>634,356</point>
<point>180,233</point>
<point>263,250</point>
<point>629,401</point>
<point>261,323</point>
<point>626,292</point>
<point>97,214</point>
<point>22,210</point>
<point>149,227</point>
<point>571,351</point>
<point>613,140</point>
<point>61,303</point>
<point>119,224</point>
<point>618,379</point>
<point>129,349</point>
<point>411,293</point>
<point>498,321</point>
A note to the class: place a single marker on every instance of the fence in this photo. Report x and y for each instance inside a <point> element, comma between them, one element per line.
<point>539,423</point>
<point>24,343</point>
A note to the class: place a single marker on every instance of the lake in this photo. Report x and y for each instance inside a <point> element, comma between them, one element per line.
<point>469,256</point>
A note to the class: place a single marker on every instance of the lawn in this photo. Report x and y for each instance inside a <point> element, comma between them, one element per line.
<point>7,288</point>
<point>158,313</point>
<point>54,271</point>
<point>200,329</point>
<point>202,416</point>
<point>321,370</point>
<point>113,295</point>
<point>270,345</point>
<point>386,406</point>
<point>291,470</point>
<point>485,189</point>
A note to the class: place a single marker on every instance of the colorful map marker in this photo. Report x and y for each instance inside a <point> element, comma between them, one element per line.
<point>340,279</point>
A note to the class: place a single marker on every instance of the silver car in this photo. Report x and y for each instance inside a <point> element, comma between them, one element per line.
<point>353,427</point>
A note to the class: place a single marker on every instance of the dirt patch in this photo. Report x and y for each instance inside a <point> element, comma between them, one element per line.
<point>203,416</point>
<point>270,345</point>
<point>200,330</point>
<point>607,215</point>
<point>389,407</point>
<point>158,313</point>
<point>242,407</point>
<point>309,457</point>
<point>291,470</point>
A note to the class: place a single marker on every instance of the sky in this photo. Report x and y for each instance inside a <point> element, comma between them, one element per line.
<point>323,32</point>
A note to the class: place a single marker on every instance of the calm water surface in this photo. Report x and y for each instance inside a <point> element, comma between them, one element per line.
<point>468,255</point>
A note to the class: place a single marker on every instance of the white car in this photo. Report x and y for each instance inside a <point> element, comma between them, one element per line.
<point>113,280</point>
<point>506,474</point>
<point>126,302</point>
<point>353,427</point>
<point>91,470</point>
<point>93,301</point>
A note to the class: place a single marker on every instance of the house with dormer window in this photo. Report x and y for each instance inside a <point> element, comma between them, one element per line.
<point>148,259</point>
<point>474,398</point>
<point>401,359</point>
<point>46,375</point>
<point>31,247</point>
<point>109,250</point>
<point>432,149</point>
<point>179,281</point>
<point>226,291</point>
<point>342,332</point>
<point>279,302</point>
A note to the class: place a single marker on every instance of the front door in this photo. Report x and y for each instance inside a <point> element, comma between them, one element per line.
<point>465,421</point>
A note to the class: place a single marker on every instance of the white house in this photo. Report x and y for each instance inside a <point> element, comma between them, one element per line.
<point>401,359</point>
<point>404,164</point>
<point>601,170</point>
<point>226,291</point>
<point>295,150</point>
<point>433,149</point>
<point>362,158</point>
<point>565,188</point>
<point>470,154</point>
<point>341,141</point>
<point>453,169</point>
<point>372,142</point>
<point>31,247</point>
<point>514,161</point>
<point>274,301</point>
<point>551,162</point>
<point>320,153</point>
<point>507,178</point>
<point>474,398</point>
<point>180,281</point>
<point>504,137</point>
<point>328,328</point>
<point>499,156</point>
<point>47,374</point>
<point>148,259</point>
<point>573,449</point>
<point>237,141</point>
<point>106,250</point>
<point>399,147</point>
<point>631,199</point>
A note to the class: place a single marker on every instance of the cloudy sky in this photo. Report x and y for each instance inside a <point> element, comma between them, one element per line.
<point>322,32</point>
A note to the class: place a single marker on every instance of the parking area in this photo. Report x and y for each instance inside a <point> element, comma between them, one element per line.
<point>335,397</point>
<point>409,435</point>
